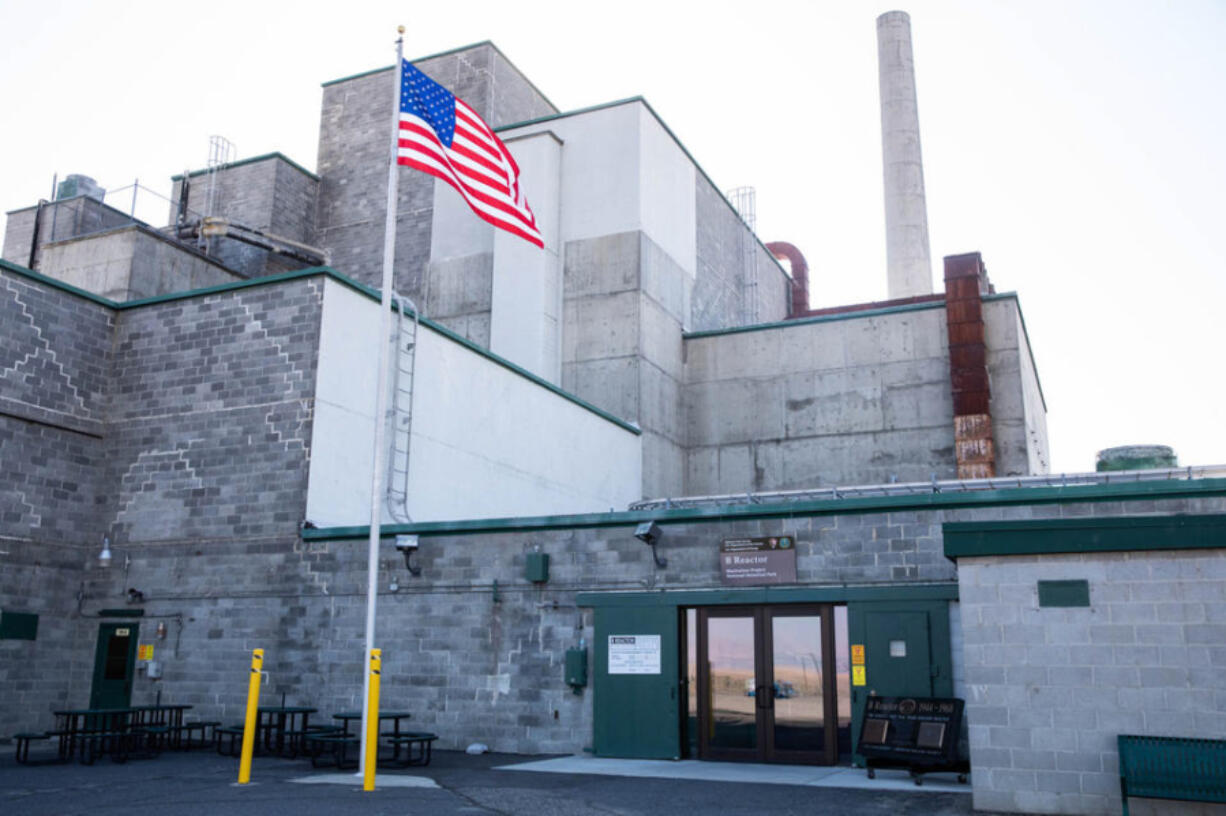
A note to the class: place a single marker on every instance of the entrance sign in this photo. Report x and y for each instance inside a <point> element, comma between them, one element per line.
<point>634,654</point>
<point>757,561</point>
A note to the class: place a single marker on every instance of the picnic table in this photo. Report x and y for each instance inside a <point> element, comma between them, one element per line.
<point>341,742</point>
<point>87,732</point>
<point>283,727</point>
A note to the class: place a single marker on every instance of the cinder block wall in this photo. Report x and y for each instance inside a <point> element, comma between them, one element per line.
<point>53,366</point>
<point>269,194</point>
<point>1050,688</point>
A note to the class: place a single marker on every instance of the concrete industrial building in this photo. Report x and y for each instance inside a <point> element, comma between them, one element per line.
<point>207,405</point>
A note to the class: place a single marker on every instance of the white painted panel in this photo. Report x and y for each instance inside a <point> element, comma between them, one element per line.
<point>487,441</point>
<point>600,176</point>
<point>667,201</point>
<point>526,278</point>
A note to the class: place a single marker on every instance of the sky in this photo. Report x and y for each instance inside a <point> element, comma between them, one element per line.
<point>1077,145</point>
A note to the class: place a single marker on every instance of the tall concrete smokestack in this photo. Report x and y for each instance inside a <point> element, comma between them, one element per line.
<point>906,213</point>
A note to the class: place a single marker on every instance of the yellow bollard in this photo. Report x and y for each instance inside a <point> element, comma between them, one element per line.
<point>372,721</point>
<point>253,704</point>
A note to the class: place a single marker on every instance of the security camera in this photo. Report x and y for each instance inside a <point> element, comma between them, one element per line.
<point>648,532</point>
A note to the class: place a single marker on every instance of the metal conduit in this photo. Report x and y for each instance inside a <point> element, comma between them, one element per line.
<point>934,486</point>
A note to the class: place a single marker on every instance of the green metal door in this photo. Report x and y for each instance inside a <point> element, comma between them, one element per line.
<point>114,661</point>
<point>906,652</point>
<point>636,686</point>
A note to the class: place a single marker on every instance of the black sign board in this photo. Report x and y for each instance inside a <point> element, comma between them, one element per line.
<point>912,730</point>
<point>757,561</point>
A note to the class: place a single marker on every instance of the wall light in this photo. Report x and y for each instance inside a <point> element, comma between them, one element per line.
<point>408,545</point>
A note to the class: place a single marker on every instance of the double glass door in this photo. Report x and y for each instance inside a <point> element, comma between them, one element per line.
<point>764,683</point>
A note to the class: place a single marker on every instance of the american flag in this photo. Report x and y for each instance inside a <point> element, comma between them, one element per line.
<point>442,136</point>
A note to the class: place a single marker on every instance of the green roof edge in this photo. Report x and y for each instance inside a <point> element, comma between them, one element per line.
<point>360,288</point>
<point>804,321</point>
<point>276,154</point>
<point>1175,488</point>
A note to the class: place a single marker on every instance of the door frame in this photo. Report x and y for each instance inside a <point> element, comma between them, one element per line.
<point>763,617</point>
<point>105,632</point>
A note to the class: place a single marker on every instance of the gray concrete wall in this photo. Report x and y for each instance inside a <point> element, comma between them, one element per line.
<point>130,263</point>
<point>827,401</point>
<point>1050,688</point>
<point>1019,417</point>
<point>353,146</point>
<point>60,220</point>
<point>621,350</point>
<point>720,286</point>
<point>18,235</point>
<point>271,195</point>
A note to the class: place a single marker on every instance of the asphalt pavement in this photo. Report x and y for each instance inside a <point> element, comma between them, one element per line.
<point>454,784</point>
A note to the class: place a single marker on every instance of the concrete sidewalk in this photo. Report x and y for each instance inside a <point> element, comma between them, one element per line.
<point>455,784</point>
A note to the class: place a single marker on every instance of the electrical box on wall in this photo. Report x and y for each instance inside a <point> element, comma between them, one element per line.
<point>536,567</point>
<point>576,669</point>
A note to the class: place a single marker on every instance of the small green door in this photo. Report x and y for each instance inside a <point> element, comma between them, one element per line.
<point>114,662</point>
<point>906,652</point>
<point>636,683</point>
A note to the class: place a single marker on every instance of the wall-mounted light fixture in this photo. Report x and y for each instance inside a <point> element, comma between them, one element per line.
<point>408,545</point>
<point>106,556</point>
<point>649,533</point>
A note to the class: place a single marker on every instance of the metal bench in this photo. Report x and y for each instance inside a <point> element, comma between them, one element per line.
<point>339,744</point>
<point>235,733</point>
<point>1172,768</point>
<point>422,739</point>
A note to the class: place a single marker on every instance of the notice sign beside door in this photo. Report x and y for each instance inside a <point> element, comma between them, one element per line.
<point>757,561</point>
<point>634,654</point>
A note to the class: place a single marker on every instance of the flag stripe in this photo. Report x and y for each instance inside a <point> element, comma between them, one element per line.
<point>427,144</point>
<point>442,136</point>
<point>530,236</point>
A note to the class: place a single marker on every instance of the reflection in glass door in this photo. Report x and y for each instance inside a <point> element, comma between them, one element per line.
<point>766,685</point>
<point>731,682</point>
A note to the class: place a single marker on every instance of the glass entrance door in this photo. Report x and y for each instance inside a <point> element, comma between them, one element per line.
<point>766,684</point>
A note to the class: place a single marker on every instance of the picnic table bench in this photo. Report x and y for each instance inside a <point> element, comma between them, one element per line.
<point>1172,768</point>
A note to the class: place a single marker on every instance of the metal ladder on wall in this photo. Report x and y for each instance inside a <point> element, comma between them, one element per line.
<point>400,406</point>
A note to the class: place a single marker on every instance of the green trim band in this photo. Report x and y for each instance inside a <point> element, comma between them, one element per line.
<point>328,272</point>
<point>1119,534</point>
<point>1173,489</point>
<point>447,53</point>
<point>671,135</point>
<point>276,154</point>
<point>770,595</point>
<point>804,321</point>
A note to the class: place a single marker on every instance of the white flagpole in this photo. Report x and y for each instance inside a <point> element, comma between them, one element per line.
<point>380,454</point>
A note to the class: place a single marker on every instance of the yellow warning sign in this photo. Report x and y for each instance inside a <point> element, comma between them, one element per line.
<point>144,651</point>
<point>857,676</point>
<point>857,654</point>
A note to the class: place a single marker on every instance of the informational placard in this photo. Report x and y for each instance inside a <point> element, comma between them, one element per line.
<point>144,651</point>
<point>634,654</point>
<point>757,561</point>
<point>857,676</point>
<point>911,728</point>
<point>857,654</point>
